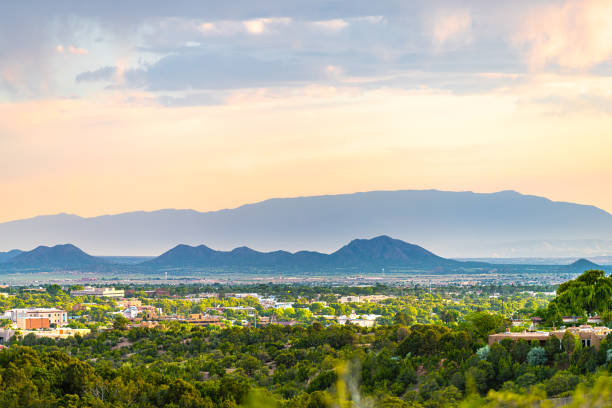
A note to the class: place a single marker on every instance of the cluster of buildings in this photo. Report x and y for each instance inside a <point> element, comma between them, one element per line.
<point>42,322</point>
<point>99,292</point>
<point>588,335</point>
<point>363,299</point>
<point>366,320</point>
<point>36,318</point>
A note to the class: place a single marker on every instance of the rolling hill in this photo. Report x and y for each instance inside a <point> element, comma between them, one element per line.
<point>6,256</point>
<point>59,257</point>
<point>582,265</point>
<point>452,224</point>
<point>366,254</point>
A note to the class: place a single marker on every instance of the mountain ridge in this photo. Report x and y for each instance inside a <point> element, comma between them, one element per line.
<point>60,257</point>
<point>453,224</point>
<point>6,256</point>
<point>381,251</point>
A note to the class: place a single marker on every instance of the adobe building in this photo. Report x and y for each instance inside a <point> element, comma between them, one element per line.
<point>589,336</point>
<point>32,323</point>
<point>99,292</point>
<point>55,316</point>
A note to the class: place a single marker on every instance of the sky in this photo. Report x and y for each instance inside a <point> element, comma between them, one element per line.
<point>117,106</point>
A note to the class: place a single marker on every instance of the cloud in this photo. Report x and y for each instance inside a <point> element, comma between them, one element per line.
<point>71,49</point>
<point>453,27</point>
<point>576,35</point>
<point>192,71</point>
<point>77,51</point>
<point>334,25</point>
<point>190,99</point>
<point>253,27</point>
<point>101,74</point>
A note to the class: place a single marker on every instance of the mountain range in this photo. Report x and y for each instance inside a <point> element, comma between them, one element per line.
<point>358,256</point>
<point>59,257</point>
<point>452,224</point>
<point>5,256</point>
<point>375,253</point>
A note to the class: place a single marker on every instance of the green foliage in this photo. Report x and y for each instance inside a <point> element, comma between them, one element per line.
<point>427,352</point>
<point>483,352</point>
<point>588,294</point>
<point>537,356</point>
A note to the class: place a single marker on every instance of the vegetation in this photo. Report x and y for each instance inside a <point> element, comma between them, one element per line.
<point>429,350</point>
<point>586,296</point>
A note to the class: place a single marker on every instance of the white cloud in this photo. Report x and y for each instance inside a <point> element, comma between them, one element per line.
<point>255,26</point>
<point>452,27</point>
<point>576,35</point>
<point>331,25</point>
<point>71,49</point>
<point>77,51</point>
<point>261,25</point>
<point>233,27</point>
<point>371,19</point>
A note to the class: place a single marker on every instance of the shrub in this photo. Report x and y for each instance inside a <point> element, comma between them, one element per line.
<point>537,356</point>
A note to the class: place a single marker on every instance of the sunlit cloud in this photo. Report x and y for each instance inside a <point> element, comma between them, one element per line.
<point>451,27</point>
<point>331,25</point>
<point>71,49</point>
<point>262,91</point>
<point>576,35</point>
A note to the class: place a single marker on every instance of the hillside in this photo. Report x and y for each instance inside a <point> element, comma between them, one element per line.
<point>366,254</point>
<point>452,224</point>
<point>6,256</point>
<point>59,257</point>
<point>582,265</point>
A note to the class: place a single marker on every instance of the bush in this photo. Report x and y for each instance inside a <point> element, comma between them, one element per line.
<point>560,383</point>
<point>483,352</point>
<point>537,356</point>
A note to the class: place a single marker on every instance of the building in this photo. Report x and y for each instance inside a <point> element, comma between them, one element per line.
<point>129,313</point>
<point>125,303</point>
<point>100,292</point>
<point>60,333</point>
<point>349,299</point>
<point>361,321</point>
<point>362,299</point>
<point>55,316</point>
<point>159,292</point>
<point>594,320</point>
<point>536,320</point>
<point>32,323</point>
<point>588,335</point>
<point>203,320</point>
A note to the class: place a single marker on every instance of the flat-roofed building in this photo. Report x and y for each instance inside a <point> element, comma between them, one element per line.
<point>100,292</point>
<point>32,323</point>
<point>56,316</point>
<point>588,335</point>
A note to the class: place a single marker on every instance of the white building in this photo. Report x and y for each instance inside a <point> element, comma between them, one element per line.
<point>130,313</point>
<point>100,292</point>
<point>55,316</point>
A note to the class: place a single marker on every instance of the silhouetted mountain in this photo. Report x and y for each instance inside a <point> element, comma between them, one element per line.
<point>59,257</point>
<point>375,253</point>
<point>6,256</point>
<point>582,265</point>
<point>384,250</point>
<point>203,256</point>
<point>452,224</point>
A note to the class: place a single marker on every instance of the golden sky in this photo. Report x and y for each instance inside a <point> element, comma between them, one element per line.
<point>112,119</point>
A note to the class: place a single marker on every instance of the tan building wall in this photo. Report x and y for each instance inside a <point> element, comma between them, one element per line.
<point>31,323</point>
